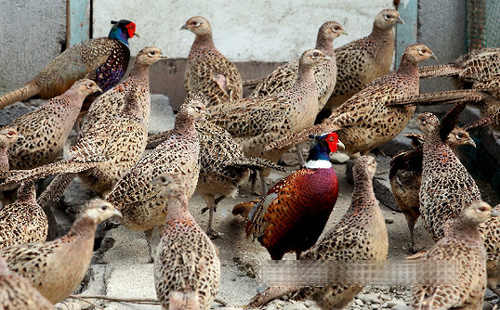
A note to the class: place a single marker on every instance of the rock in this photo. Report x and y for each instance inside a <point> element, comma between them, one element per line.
<point>400,307</point>
<point>68,305</point>
<point>372,298</point>
<point>162,115</point>
<point>309,303</point>
<point>359,302</point>
<point>395,302</point>
<point>487,306</point>
<point>293,305</point>
<point>95,284</point>
<point>389,220</point>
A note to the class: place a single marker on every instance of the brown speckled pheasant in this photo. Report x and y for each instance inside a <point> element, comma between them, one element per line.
<point>325,74</point>
<point>406,174</point>
<point>56,268</point>
<point>207,70</point>
<point>113,135</point>
<point>463,244</point>
<point>139,200</point>
<point>361,234</point>
<point>186,258</point>
<point>481,68</point>
<point>46,129</point>
<point>291,216</point>
<point>364,60</point>
<point>103,60</point>
<point>24,220</point>
<point>223,166</point>
<point>255,122</point>
<point>447,187</point>
<point>365,121</point>
<point>17,293</point>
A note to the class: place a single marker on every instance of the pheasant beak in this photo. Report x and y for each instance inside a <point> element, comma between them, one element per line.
<point>471,142</point>
<point>137,35</point>
<point>345,33</point>
<point>184,27</point>
<point>340,145</point>
<point>433,56</point>
<point>400,21</point>
<point>325,58</point>
<point>98,89</point>
<point>117,213</point>
<point>494,213</point>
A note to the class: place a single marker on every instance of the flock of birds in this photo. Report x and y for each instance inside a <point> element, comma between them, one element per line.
<point>345,99</point>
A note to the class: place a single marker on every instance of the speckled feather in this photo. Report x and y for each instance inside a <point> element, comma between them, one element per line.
<point>463,244</point>
<point>136,196</point>
<point>207,70</point>
<point>114,133</point>
<point>364,60</point>
<point>24,220</point>
<point>56,268</point>
<point>365,121</point>
<point>186,258</point>
<point>16,293</point>
<point>255,122</point>
<point>361,234</point>
<point>103,60</point>
<point>325,74</point>
<point>447,187</point>
<point>46,129</point>
<point>406,175</point>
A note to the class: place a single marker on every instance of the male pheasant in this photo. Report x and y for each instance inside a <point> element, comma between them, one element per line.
<point>186,259</point>
<point>365,121</point>
<point>361,234</point>
<point>294,212</point>
<point>103,60</point>
<point>207,70</point>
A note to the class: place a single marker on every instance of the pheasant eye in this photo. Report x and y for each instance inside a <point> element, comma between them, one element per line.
<point>103,208</point>
<point>11,133</point>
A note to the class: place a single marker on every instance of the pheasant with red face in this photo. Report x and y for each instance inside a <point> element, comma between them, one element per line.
<point>292,215</point>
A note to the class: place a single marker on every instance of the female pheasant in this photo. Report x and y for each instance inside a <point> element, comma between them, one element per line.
<point>103,60</point>
<point>292,215</point>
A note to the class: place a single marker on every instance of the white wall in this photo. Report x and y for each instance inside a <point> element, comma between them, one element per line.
<point>243,30</point>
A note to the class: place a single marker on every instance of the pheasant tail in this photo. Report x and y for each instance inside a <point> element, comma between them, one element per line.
<point>64,166</point>
<point>27,91</point>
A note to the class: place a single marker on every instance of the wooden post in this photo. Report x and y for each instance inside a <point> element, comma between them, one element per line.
<point>406,34</point>
<point>78,21</point>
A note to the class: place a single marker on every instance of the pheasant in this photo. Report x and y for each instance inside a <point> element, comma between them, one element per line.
<point>46,129</point>
<point>365,121</point>
<point>480,67</point>
<point>103,60</point>
<point>282,78</point>
<point>364,60</point>
<point>23,221</point>
<point>186,259</point>
<point>8,136</point>
<point>139,200</point>
<point>294,212</point>
<point>464,245</point>
<point>446,186</point>
<point>113,135</point>
<point>255,122</point>
<point>360,235</point>
<point>223,166</point>
<point>207,70</point>
<point>56,268</point>
<point>17,293</point>
<point>406,174</point>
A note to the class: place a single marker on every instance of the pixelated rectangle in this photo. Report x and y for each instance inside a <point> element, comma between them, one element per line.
<point>360,273</point>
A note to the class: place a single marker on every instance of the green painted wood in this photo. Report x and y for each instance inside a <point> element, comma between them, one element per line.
<point>406,34</point>
<point>78,24</point>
